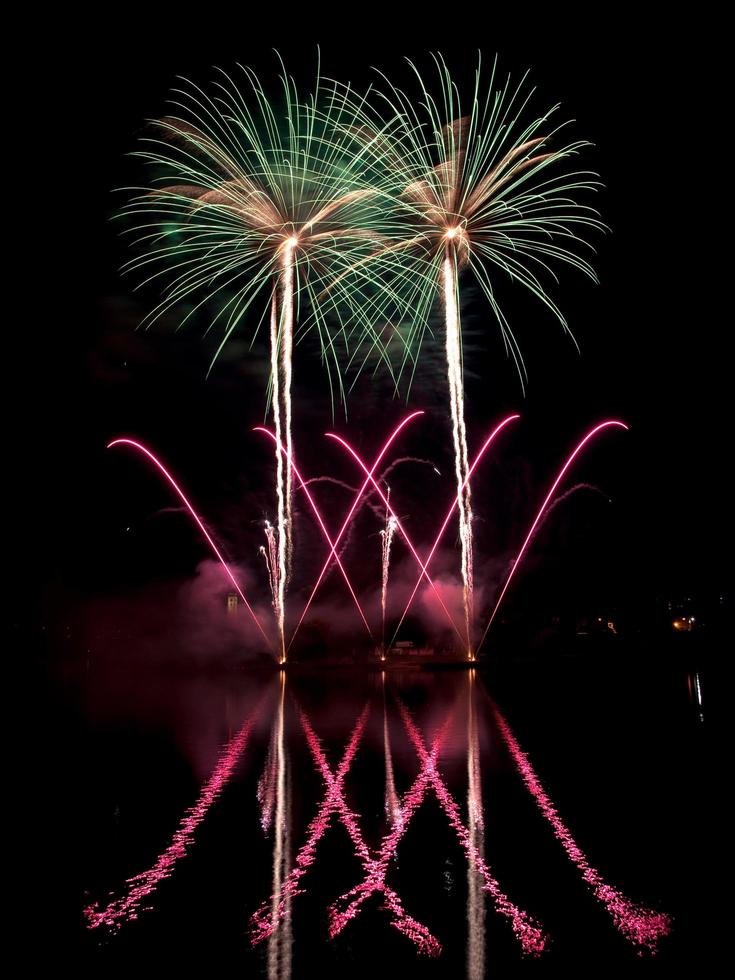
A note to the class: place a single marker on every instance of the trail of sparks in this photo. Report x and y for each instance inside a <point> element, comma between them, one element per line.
<point>141,887</point>
<point>322,526</point>
<point>640,926</point>
<point>386,446</point>
<point>270,556</point>
<point>386,538</point>
<point>560,476</point>
<point>527,932</point>
<point>198,520</point>
<point>459,434</point>
<point>424,565</point>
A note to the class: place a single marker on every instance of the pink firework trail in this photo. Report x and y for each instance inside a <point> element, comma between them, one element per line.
<point>560,476</point>
<point>348,905</point>
<point>527,932</point>
<point>641,926</point>
<point>141,887</point>
<point>335,801</point>
<point>200,524</point>
<point>358,496</point>
<point>265,920</point>
<point>322,526</point>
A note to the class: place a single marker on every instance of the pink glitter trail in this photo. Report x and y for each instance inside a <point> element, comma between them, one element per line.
<point>335,802</point>
<point>202,528</point>
<point>347,906</point>
<point>142,886</point>
<point>264,922</point>
<point>529,934</point>
<point>641,926</point>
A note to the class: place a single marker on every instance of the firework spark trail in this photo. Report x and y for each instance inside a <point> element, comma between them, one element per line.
<point>270,556</point>
<point>280,567</point>
<point>266,791</point>
<point>386,537</point>
<point>527,932</point>
<point>140,888</point>
<point>265,919</point>
<point>560,476</point>
<point>320,521</point>
<point>399,526</point>
<point>198,520</point>
<point>641,926</point>
<point>346,907</point>
<point>459,435</point>
<point>348,518</point>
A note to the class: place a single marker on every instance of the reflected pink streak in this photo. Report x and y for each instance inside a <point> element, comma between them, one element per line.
<point>640,926</point>
<point>560,476</point>
<point>403,922</point>
<point>143,885</point>
<point>263,923</point>
<point>320,521</point>
<point>528,933</point>
<point>345,525</point>
<point>346,907</point>
<point>202,528</point>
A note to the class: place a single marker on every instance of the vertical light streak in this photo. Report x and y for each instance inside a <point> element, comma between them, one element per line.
<point>476,827</point>
<point>386,538</point>
<point>280,941</point>
<point>281,343</point>
<point>141,887</point>
<point>459,435</point>
<point>270,555</point>
<point>641,926</point>
<point>199,523</point>
<point>392,805</point>
<point>560,476</point>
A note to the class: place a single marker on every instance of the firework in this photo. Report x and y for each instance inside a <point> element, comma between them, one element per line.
<point>386,540</point>
<point>479,188</point>
<point>254,207</point>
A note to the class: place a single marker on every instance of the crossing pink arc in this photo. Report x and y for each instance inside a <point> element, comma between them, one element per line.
<point>610,423</point>
<point>345,524</point>
<point>320,521</point>
<point>185,500</point>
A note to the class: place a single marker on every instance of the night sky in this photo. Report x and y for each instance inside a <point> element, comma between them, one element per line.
<point>651,334</point>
